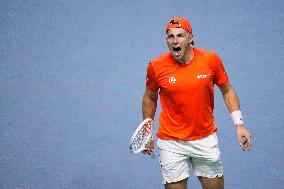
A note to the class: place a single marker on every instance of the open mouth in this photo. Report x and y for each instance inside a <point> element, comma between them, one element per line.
<point>176,50</point>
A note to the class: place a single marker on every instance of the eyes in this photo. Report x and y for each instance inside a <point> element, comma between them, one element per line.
<point>180,35</point>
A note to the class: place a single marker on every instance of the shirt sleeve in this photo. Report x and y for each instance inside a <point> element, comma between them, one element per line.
<point>220,75</point>
<point>151,81</point>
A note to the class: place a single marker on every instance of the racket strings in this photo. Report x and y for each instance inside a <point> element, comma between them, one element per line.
<point>147,128</point>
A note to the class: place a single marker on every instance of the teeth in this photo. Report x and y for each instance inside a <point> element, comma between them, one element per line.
<point>176,49</point>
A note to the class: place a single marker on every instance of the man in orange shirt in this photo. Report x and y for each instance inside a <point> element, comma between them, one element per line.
<point>184,78</point>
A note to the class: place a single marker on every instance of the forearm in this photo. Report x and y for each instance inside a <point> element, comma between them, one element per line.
<point>149,105</point>
<point>233,106</point>
<point>148,108</point>
<point>231,101</point>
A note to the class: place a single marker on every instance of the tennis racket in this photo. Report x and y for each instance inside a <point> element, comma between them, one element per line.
<point>141,138</point>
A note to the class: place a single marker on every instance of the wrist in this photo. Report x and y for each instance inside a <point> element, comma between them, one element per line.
<point>237,118</point>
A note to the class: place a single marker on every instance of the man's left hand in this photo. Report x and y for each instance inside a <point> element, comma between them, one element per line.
<point>244,137</point>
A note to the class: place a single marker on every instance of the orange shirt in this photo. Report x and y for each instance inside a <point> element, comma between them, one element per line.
<point>186,94</point>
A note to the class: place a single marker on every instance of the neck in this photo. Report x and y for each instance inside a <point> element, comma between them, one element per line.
<point>188,57</point>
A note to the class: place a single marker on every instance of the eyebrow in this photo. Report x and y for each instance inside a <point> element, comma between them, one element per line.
<point>183,33</point>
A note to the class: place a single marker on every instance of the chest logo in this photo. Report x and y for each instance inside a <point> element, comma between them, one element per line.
<point>202,76</point>
<point>172,80</point>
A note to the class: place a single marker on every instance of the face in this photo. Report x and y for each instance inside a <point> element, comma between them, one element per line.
<point>179,40</point>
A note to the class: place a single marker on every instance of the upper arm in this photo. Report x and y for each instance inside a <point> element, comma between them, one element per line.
<point>220,75</point>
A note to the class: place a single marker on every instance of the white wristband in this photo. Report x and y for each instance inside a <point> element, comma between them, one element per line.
<point>237,117</point>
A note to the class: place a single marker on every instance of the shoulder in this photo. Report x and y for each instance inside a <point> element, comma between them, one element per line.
<point>209,57</point>
<point>205,53</point>
<point>162,64</point>
<point>162,59</point>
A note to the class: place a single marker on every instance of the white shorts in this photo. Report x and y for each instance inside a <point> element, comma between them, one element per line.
<point>176,158</point>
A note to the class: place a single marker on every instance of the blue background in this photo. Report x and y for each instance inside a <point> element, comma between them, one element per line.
<point>73,75</point>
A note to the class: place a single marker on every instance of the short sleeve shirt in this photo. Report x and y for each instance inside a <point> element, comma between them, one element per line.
<point>186,94</point>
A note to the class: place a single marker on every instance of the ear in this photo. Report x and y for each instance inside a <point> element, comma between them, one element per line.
<point>191,39</point>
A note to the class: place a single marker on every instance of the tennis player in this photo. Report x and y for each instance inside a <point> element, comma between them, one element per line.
<point>184,78</point>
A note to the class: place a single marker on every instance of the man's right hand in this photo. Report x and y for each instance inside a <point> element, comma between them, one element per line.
<point>149,148</point>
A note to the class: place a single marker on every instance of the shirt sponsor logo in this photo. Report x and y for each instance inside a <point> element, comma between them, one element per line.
<point>202,76</point>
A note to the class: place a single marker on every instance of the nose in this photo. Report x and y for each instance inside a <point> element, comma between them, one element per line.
<point>175,40</point>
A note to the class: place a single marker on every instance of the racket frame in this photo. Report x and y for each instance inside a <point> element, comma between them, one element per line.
<point>147,120</point>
